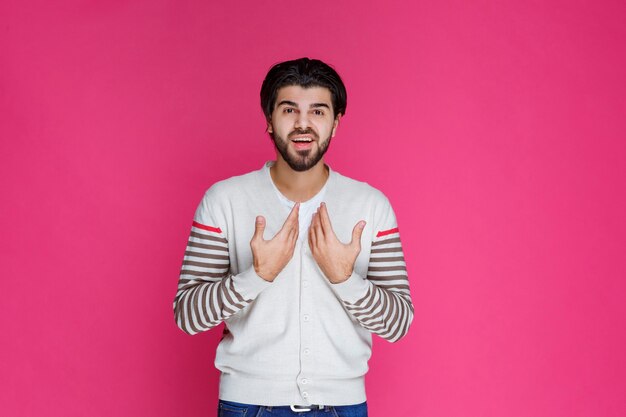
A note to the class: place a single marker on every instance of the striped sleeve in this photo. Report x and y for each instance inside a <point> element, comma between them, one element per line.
<point>382,302</point>
<point>207,292</point>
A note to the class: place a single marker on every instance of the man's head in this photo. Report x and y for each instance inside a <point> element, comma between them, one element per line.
<point>303,101</point>
<point>306,73</point>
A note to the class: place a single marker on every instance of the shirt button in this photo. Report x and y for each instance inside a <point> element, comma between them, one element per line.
<point>305,284</point>
<point>305,381</point>
<point>307,351</point>
<point>305,394</point>
<point>305,317</point>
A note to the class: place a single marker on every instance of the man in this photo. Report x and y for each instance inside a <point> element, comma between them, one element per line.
<point>301,263</point>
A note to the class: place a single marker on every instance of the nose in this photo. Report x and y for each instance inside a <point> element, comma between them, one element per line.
<point>302,121</point>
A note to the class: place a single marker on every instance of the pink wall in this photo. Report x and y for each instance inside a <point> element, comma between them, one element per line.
<point>497,129</point>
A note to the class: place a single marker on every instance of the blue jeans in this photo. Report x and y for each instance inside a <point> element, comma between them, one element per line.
<point>233,409</point>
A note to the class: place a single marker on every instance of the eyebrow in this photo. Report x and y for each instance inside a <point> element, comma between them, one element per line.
<point>291,103</point>
<point>315,105</point>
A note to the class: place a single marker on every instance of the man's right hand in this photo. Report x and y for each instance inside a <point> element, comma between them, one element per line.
<point>271,256</point>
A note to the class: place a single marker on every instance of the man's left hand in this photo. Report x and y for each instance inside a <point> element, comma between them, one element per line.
<point>335,259</point>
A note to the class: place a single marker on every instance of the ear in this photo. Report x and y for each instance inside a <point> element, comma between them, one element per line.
<point>335,124</point>
<point>269,127</point>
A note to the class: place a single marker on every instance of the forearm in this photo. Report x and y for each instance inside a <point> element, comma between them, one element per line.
<point>382,302</point>
<point>202,304</point>
<point>387,312</point>
<point>207,291</point>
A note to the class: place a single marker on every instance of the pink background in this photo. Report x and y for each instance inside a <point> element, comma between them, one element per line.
<point>496,128</point>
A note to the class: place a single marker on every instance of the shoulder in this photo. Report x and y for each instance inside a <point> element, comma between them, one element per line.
<point>216,207</point>
<point>354,189</point>
<point>361,197</point>
<point>231,187</point>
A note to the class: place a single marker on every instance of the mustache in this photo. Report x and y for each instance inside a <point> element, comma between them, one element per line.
<point>307,131</point>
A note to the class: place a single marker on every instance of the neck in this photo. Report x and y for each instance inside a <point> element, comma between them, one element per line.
<point>298,186</point>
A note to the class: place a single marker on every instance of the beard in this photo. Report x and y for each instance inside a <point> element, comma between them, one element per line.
<point>303,159</point>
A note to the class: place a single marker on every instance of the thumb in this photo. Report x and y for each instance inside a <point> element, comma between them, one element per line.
<point>259,228</point>
<point>356,233</point>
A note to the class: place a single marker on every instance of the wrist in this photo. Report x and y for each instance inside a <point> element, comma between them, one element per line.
<point>265,275</point>
<point>340,278</point>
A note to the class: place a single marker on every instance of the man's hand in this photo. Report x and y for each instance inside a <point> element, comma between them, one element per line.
<point>335,259</point>
<point>271,256</point>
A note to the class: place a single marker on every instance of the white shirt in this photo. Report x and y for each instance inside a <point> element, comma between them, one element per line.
<point>307,208</point>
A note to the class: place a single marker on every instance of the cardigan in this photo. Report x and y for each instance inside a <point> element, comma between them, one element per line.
<point>300,339</point>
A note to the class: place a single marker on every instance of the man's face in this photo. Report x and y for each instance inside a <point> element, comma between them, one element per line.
<point>302,125</point>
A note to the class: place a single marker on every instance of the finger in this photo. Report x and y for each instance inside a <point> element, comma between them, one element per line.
<point>311,238</point>
<point>313,233</point>
<point>288,226</point>
<point>292,219</point>
<point>259,228</point>
<point>294,233</point>
<point>317,225</point>
<point>327,227</point>
<point>356,234</point>
<point>295,226</point>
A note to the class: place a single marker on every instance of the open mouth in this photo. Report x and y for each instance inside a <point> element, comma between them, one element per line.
<point>303,142</point>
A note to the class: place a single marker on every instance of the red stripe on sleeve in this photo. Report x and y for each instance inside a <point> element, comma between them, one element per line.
<point>387,232</point>
<point>209,228</point>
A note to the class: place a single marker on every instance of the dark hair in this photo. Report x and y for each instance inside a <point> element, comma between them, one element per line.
<point>305,73</point>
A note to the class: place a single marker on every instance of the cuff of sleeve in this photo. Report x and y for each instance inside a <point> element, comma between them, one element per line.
<point>352,289</point>
<point>248,284</point>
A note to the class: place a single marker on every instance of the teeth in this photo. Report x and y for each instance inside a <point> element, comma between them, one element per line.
<point>302,140</point>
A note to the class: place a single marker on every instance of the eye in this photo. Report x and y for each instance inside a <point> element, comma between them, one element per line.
<point>288,110</point>
<point>318,112</point>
